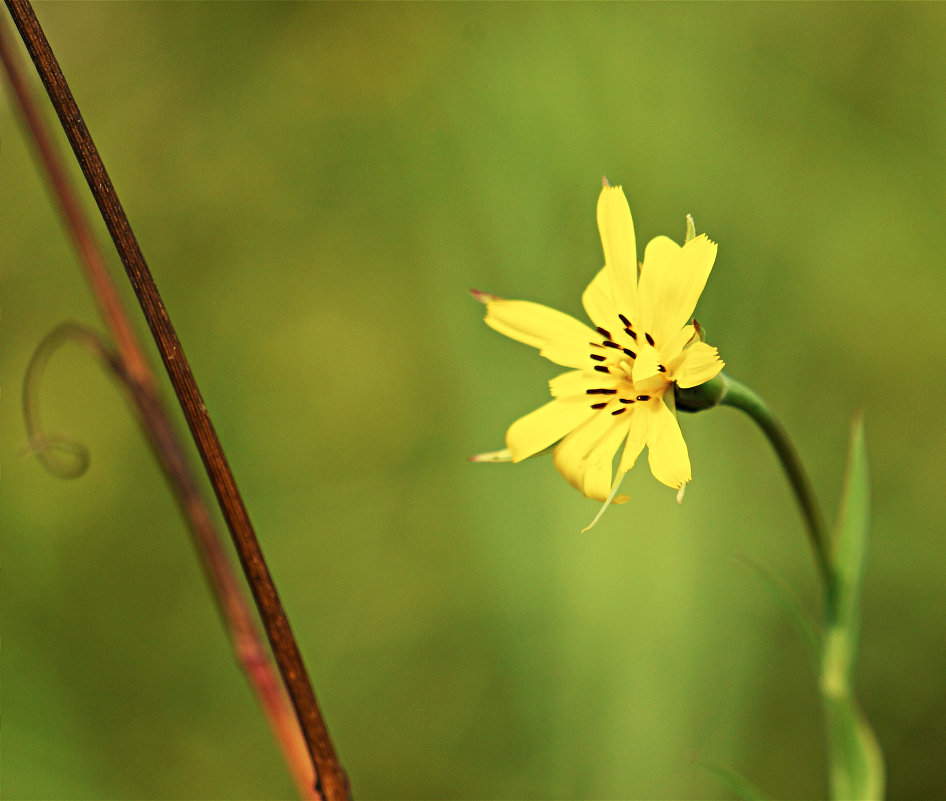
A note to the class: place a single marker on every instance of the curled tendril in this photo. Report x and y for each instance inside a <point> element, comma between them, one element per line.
<point>61,455</point>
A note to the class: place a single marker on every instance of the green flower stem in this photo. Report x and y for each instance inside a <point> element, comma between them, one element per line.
<point>855,760</point>
<point>739,396</point>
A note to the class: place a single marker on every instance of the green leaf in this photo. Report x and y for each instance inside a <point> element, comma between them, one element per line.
<point>857,763</point>
<point>850,539</point>
<point>785,598</point>
<point>735,782</point>
<point>857,767</point>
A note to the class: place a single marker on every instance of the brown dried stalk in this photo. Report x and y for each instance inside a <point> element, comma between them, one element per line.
<point>330,781</point>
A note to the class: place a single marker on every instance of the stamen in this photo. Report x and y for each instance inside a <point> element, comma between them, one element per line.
<point>626,400</point>
<point>609,344</point>
<point>602,369</point>
<point>598,357</point>
<point>631,332</point>
<point>627,323</point>
<point>604,332</point>
<point>661,368</point>
<point>618,411</point>
<point>650,339</point>
<point>601,392</point>
<point>630,353</point>
<point>643,397</point>
<point>599,405</point>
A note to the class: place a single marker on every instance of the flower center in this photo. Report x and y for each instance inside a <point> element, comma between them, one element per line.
<point>620,357</point>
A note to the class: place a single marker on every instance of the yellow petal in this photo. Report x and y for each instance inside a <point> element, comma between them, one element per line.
<point>671,282</point>
<point>698,364</point>
<point>620,248</point>
<point>636,438</point>
<point>599,464</point>
<point>646,364</point>
<point>584,457</point>
<point>667,452</point>
<point>559,337</point>
<point>545,426</point>
<point>674,346</point>
<point>660,251</point>
<point>598,300</point>
<point>576,383</point>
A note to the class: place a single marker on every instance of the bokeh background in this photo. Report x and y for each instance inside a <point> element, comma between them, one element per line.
<point>316,187</point>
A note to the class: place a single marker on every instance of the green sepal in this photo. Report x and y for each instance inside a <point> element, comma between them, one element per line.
<point>703,396</point>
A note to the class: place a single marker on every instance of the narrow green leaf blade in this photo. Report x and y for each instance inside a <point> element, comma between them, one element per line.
<point>857,767</point>
<point>850,540</point>
<point>857,763</point>
<point>740,786</point>
<point>790,604</point>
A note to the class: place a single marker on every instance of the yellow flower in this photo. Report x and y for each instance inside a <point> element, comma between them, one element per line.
<point>620,390</point>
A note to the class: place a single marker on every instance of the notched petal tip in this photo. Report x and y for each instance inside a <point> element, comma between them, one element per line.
<point>484,297</point>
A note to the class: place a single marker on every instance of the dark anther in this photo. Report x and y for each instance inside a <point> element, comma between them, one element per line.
<point>630,353</point>
<point>599,405</point>
<point>601,392</point>
<point>626,400</point>
<point>631,332</point>
<point>643,397</point>
<point>619,411</point>
<point>650,339</point>
<point>602,368</point>
<point>610,344</point>
<point>604,332</point>
<point>627,323</point>
<point>661,368</point>
<point>598,357</point>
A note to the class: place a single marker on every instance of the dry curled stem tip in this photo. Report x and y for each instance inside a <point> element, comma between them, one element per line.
<point>60,454</point>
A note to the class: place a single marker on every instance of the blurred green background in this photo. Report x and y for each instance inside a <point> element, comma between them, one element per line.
<point>316,187</point>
